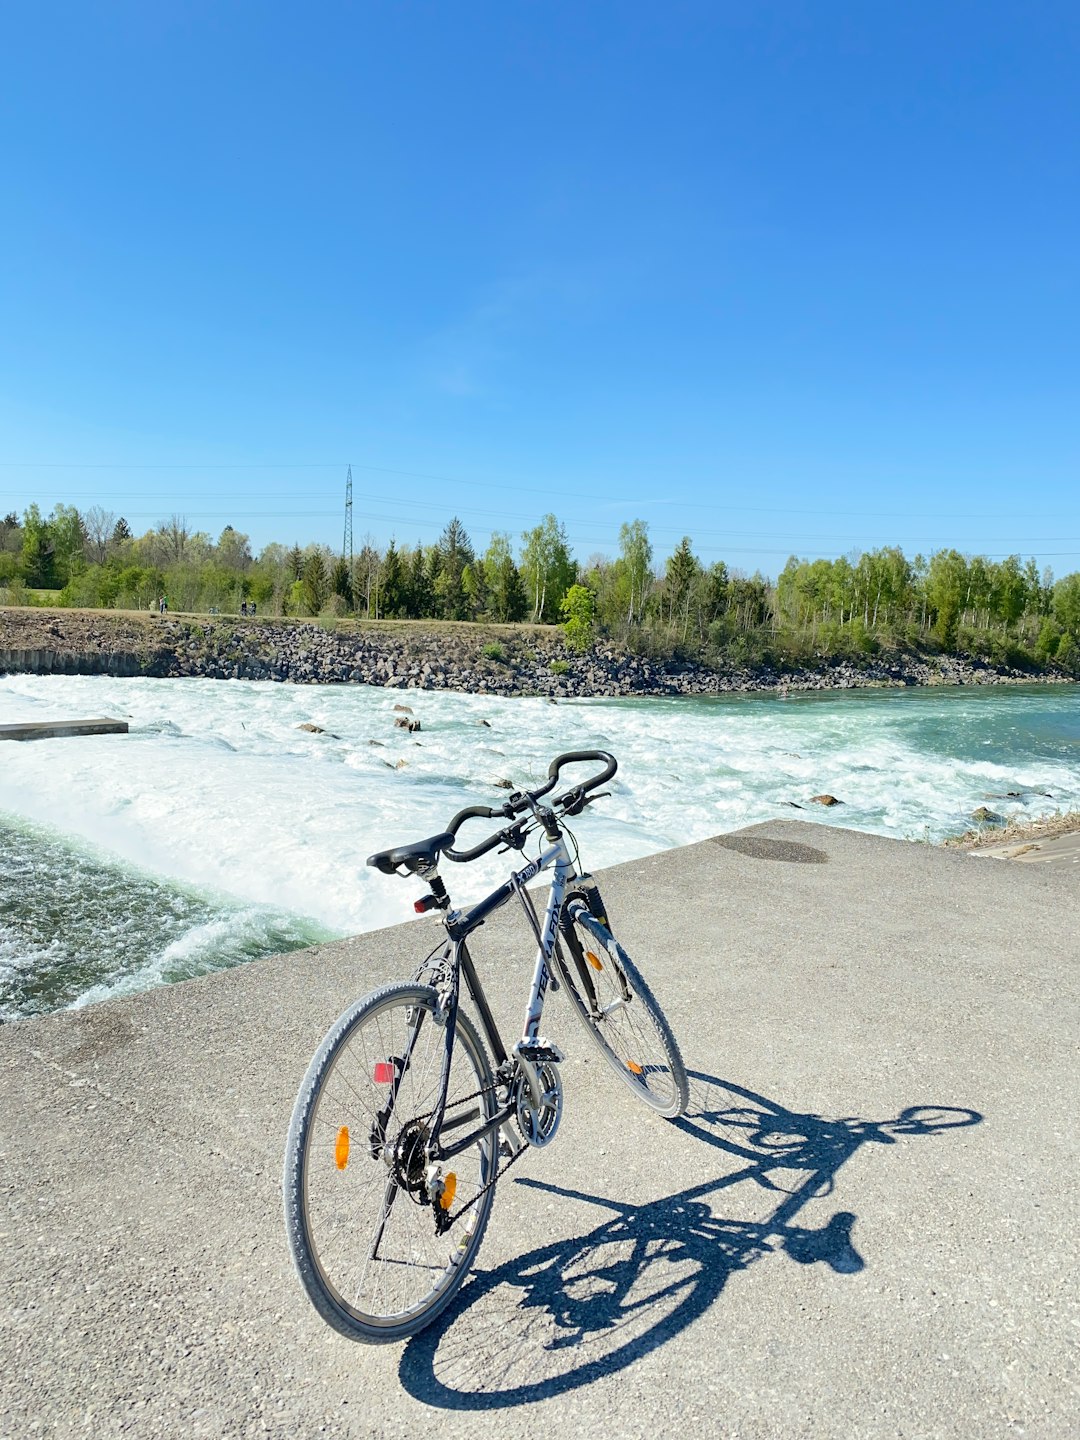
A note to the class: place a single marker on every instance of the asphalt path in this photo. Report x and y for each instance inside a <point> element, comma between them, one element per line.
<point>864,1226</point>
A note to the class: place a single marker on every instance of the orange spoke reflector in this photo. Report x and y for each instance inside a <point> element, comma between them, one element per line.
<point>449,1190</point>
<point>384,1073</point>
<point>634,1069</point>
<point>593,960</point>
<point>341,1149</point>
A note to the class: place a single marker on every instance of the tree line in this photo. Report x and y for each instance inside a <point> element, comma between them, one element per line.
<point>1006,610</point>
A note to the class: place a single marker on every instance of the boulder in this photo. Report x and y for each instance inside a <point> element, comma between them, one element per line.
<point>824,800</point>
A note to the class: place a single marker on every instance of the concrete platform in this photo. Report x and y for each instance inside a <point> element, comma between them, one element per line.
<point>1056,850</point>
<point>62,729</point>
<point>865,1227</point>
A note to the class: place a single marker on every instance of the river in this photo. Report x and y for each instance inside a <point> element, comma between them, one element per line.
<point>217,830</point>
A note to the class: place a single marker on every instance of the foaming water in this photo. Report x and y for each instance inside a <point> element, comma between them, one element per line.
<point>77,925</point>
<point>220,798</point>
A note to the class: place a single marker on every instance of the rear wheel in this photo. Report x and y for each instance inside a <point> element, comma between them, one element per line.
<point>617,1008</point>
<point>366,1221</point>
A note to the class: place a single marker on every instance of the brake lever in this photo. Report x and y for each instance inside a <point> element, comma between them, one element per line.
<point>514,836</point>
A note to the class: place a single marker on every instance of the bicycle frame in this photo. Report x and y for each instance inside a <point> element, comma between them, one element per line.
<point>459,927</point>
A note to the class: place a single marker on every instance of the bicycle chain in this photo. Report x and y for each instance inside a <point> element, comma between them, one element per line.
<point>464,1100</point>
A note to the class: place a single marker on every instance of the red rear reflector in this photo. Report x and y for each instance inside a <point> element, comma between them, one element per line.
<point>384,1073</point>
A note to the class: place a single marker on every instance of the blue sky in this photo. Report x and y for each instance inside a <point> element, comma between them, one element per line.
<point>785,277</point>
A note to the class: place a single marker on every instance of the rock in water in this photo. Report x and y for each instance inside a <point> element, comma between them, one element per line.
<point>824,800</point>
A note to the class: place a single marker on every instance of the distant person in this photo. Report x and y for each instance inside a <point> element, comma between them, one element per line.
<point>243,607</point>
<point>251,610</point>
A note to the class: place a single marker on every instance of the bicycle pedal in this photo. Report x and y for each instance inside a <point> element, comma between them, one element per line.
<point>540,1054</point>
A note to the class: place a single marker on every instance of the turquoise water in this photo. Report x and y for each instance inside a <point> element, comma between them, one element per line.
<point>218,830</point>
<point>76,925</point>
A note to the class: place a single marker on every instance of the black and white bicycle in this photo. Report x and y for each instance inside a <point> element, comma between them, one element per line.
<point>403,1124</point>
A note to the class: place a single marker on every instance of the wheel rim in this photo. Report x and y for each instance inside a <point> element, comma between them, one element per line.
<point>372,1240</point>
<point>625,1027</point>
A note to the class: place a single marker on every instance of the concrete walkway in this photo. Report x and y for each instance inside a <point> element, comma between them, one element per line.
<point>866,1226</point>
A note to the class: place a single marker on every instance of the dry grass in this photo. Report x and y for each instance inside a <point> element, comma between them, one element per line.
<point>1017,833</point>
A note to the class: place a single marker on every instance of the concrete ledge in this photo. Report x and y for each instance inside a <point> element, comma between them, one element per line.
<point>62,729</point>
<point>864,1228</point>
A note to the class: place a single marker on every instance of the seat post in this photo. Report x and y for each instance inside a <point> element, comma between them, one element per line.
<point>439,890</point>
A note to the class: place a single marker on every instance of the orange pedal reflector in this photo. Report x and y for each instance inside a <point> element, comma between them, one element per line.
<point>341,1149</point>
<point>634,1069</point>
<point>593,960</point>
<point>449,1190</point>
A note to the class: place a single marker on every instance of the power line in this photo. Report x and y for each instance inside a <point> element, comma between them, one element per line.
<point>575,495</point>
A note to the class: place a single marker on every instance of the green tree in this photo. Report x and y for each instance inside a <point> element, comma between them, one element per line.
<point>234,550</point>
<point>507,600</point>
<point>1067,604</point>
<point>393,583</point>
<point>453,552</point>
<point>419,594</point>
<point>1010,592</point>
<point>682,571</point>
<point>314,583</point>
<point>636,550</point>
<point>1068,655</point>
<point>946,586</point>
<point>474,588</point>
<point>341,581</point>
<point>547,568</point>
<point>578,608</point>
<point>36,560</point>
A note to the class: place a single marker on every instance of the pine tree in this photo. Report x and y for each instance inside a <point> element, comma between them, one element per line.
<point>393,583</point>
<point>315,583</point>
<point>340,582</point>
<point>454,550</point>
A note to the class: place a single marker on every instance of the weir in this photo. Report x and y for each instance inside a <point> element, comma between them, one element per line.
<point>862,1226</point>
<point>62,729</point>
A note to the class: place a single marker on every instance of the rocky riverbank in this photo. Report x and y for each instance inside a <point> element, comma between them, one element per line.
<point>498,660</point>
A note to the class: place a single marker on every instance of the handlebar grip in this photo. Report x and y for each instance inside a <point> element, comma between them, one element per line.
<point>473,812</point>
<point>574,756</point>
<point>477,850</point>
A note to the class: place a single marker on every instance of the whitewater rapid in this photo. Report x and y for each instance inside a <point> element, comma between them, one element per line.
<point>217,792</point>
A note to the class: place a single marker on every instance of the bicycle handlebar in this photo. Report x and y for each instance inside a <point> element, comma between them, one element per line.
<point>519,803</point>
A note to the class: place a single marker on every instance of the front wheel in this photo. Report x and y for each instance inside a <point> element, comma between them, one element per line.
<point>617,1008</point>
<point>362,1208</point>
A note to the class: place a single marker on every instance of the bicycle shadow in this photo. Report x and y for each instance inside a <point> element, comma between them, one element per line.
<point>565,1314</point>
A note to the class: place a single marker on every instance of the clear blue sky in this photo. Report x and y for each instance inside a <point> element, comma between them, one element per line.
<point>780,276</point>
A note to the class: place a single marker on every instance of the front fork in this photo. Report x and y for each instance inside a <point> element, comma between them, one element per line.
<point>586,892</point>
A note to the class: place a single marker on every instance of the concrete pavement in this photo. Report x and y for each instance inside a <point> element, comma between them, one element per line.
<point>865,1226</point>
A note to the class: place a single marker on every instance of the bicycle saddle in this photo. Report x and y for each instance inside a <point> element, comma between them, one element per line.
<point>420,855</point>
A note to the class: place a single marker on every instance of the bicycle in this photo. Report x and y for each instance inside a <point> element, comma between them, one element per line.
<point>403,1125</point>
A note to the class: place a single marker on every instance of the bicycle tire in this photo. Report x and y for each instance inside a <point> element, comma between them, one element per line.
<point>625,1023</point>
<point>366,1250</point>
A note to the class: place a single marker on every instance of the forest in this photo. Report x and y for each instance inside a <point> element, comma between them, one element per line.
<point>1007,610</point>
